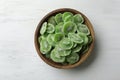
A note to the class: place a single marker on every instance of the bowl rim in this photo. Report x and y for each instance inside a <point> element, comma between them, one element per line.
<point>57,65</point>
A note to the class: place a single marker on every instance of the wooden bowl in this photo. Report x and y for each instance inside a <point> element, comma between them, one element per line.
<point>50,62</point>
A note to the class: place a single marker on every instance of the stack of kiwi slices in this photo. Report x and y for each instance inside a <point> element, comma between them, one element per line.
<point>64,37</point>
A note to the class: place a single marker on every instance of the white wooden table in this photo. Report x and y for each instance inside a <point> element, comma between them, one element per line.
<point>19,59</point>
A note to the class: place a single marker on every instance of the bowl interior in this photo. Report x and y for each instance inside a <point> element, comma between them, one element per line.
<point>37,34</point>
